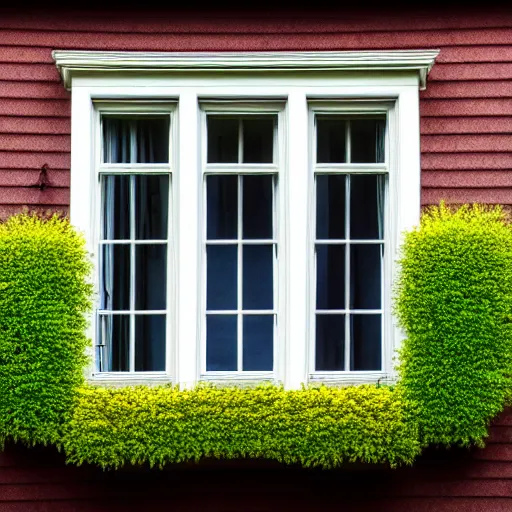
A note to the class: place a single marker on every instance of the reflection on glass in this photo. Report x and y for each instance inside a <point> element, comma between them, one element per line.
<point>330,343</point>
<point>150,343</point>
<point>367,141</point>
<point>365,276</point>
<point>115,282</point>
<point>222,140</point>
<point>330,141</point>
<point>221,345</point>
<point>330,276</point>
<point>257,206</point>
<point>221,207</point>
<point>258,336</point>
<point>131,139</point>
<point>257,285</point>
<point>150,276</point>
<point>151,207</point>
<point>367,207</point>
<point>330,206</point>
<point>114,333</point>
<point>221,281</point>
<point>116,209</point>
<point>366,335</point>
<point>258,140</point>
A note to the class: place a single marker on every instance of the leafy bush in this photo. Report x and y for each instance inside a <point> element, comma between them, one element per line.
<point>43,298</point>
<point>454,299</point>
<point>314,427</point>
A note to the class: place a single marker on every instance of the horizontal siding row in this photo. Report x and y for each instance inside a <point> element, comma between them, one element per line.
<point>466,111</point>
<point>454,480</point>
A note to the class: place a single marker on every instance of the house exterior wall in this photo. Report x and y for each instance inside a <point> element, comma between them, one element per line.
<point>466,122</point>
<point>466,111</point>
<point>37,480</point>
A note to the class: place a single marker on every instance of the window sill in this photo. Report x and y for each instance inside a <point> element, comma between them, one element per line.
<point>350,378</point>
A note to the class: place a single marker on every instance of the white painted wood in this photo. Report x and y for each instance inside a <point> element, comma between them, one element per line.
<point>188,237</point>
<point>72,62</point>
<point>297,197</point>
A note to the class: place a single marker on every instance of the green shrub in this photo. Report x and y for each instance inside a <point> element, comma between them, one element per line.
<point>43,298</point>
<point>454,299</point>
<point>314,427</point>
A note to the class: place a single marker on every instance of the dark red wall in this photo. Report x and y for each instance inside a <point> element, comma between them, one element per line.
<point>466,110</point>
<point>36,480</point>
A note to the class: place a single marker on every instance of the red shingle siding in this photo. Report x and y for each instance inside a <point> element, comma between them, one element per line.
<point>466,112</point>
<point>456,481</point>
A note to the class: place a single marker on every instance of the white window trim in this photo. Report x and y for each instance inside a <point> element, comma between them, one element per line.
<point>192,78</point>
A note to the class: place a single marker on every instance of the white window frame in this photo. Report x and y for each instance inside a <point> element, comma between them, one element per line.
<point>298,79</point>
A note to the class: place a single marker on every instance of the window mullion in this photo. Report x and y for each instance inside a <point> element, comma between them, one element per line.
<point>132,275</point>
<point>239,276</point>
<point>347,272</point>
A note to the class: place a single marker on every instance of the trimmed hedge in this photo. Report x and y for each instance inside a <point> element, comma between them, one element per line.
<point>313,427</point>
<point>454,300</point>
<point>43,297</point>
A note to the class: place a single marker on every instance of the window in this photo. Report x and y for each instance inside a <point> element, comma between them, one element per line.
<point>244,224</point>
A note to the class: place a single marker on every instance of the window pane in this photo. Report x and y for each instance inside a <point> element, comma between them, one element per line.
<point>330,276</point>
<point>257,206</point>
<point>150,276</point>
<point>367,206</point>
<point>366,336</point>
<point>116,207</point>
<point>140,140</point>
<point>221,207</point>
<point>365,276</point>
<point>150,343</point>
<point>222,140</point>
<point>221,343</point>
<point>151,207</point>
<point>367,141</point>
<point>221,281</point>
<point>258,336</point>
<point>115,338</point>
<point>115,278</point>
<point>330,141</point>
<point>330,343</point>
<point>258,137</point>
<point>258,279</point>
<point>330,206</point>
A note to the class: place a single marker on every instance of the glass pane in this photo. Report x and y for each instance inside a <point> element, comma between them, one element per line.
<point>115,277</point>
<point>151,207</point>
<point>150,343</point>
<point>221,343</point>
<point>366,335</point>
<point>115,338</point>
<point>330,141</point>
<point>116,207</point>
<point>222,140</point>
<point>150,276</point>
<point>330,343</point>
<point>367,140</point>
<point>330,276</point>
<point>367,207</point>
<point>258,279</point>
<point>330,207</point>
<point>257,206</point>
<point>141,140</point>
<point>221,207</point>
<point>221,280</point>
<point>365,276</point>
<point>258,343</point>
<point>258,136</point>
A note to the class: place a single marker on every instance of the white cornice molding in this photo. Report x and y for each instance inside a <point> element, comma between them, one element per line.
<point>70,62</point>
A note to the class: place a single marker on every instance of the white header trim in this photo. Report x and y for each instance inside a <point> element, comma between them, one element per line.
<point>70,62</point>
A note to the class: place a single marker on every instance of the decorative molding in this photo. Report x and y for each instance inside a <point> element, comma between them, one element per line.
<point>70,62</point>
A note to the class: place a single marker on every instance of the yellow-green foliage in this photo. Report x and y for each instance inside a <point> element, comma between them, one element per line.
<point>454,299</point>
<point>43,297</point>
<point>314,427</point>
